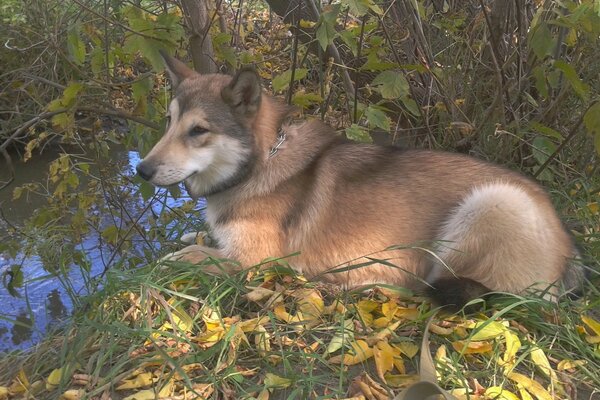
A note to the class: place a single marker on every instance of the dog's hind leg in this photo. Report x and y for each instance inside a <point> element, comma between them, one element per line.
<point>498,239</point>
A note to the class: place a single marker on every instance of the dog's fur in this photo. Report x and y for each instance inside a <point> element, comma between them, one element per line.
<point>339,202</point>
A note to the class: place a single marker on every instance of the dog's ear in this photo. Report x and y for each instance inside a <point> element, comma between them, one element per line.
<point>176,69</point>
<point>243,93</point>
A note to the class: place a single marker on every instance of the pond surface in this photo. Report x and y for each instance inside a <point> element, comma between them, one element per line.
<point>43,302</point>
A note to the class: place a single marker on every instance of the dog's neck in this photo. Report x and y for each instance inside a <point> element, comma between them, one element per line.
<point>304,142</point>
<point>268,125</point>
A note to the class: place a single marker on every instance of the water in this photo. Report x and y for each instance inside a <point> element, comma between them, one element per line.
<point>43,303</point>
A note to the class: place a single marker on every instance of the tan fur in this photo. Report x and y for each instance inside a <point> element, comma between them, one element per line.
<point>338,203</point>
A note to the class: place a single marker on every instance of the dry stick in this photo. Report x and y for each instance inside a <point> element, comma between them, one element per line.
<point>357,74</point>
<point>570,136</point>
<point>294,57</point>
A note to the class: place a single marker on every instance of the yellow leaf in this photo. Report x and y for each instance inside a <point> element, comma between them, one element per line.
<point>361,352</point>
<point>281,313</point>
<point>389,309</point>
<point>343,335</point>
<point>335,307</point>
<point>252,325</point>
<point>262,341</point>
<point>570,364</point>
<point>383,334</point>
<point>259,293</point>
<point>409,349</point>
<point>383,354</point>
<point>141,380</point>
<point>592,324</point>
<point>438,330</point>
<point>486,330</point>
<point>364,309</point>
<point>20,384</point>
<point>513,344</point>
<point>147,394</point>
<point>54,379</point>
<point>273,381</point>
<point>539,358</point>
<point>400,380</point>
<point>525,394</point>
<point>530,385</point>
<point>73,394</point>
<point>307,24</point>
<point>593,207</point>
<point>310,303</point>
<point>592,339</point>
<point>497,393</point>
<point>263,395</point>
<point>471,347</point>
<point>3,392</point>
<point>407,313</point>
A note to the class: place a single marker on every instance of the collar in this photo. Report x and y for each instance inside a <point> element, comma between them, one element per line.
<point>281,137</point>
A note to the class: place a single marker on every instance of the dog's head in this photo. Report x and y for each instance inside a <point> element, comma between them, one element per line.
<point>208,143</point>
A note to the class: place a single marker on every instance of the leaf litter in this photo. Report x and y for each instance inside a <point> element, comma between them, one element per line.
<point>279,330</point>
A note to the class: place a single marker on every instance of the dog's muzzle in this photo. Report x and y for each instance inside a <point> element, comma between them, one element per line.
<point>145,170</point>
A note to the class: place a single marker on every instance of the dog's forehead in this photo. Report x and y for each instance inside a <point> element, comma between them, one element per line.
<point>200,91</point>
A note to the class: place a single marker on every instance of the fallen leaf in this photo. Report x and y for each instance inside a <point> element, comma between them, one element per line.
<point>409,349</point>
<point>273,381</point>
<point>402,380</point>
<point>570,364</point>
<point>470,347</point>
<point>360,352</point>
<point>73,394</point>
<point>259,293</point>
<point>498,393</point>
<point>147,394</point>
<point>54,378</point>
<point>541,361</point>
<point>530,385</point>
<point>383,354</point>
<point>141,380</point>
<point>592,324</point>
<point>344,334</point>
<point>486,330</point>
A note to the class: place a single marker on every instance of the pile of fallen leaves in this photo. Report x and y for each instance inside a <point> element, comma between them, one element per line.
<point>278,336</point>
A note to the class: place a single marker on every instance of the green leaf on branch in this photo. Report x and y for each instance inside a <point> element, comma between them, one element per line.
<point>542,42</point>
<point>326,30</point>
<point>377,118</point>
<point>391,84</point>
<point>75,46</point>
<point>358,133</point>
<point>577,84</point>
<point>282,82</point>
<point>361,7</point>
<point>591,120</point>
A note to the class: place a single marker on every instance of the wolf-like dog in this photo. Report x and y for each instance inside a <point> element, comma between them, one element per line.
<point>275,186</point>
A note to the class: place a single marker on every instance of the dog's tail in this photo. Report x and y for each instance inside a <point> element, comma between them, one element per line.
<point>501,238</point>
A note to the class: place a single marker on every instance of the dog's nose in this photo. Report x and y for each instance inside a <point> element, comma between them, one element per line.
<point>145,170</point>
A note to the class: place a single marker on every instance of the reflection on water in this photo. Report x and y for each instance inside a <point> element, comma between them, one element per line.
<point>46,300</point>
<point>22,329</point>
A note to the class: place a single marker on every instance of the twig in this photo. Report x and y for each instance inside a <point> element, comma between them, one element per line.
<point>357,74</point>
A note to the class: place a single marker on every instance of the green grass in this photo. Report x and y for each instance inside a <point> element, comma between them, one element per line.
<point>117,334</point>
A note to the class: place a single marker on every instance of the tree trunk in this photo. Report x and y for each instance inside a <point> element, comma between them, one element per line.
<point>197,18</point>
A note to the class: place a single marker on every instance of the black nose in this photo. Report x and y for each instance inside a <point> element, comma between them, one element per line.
<point>145,170</point>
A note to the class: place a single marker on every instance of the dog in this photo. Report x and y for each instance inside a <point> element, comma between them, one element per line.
<point>358,214</point>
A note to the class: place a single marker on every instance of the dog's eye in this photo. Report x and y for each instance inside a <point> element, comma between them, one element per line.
<point>198,130</point>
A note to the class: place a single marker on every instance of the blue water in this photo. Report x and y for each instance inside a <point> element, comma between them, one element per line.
<point>43,302</point>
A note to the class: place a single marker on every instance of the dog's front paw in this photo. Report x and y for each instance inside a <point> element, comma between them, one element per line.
<point>193,254</point>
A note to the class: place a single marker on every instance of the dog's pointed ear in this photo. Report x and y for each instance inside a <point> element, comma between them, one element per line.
<point>243,93</point>
<point>176,69</point>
